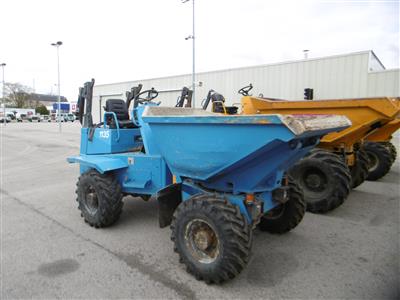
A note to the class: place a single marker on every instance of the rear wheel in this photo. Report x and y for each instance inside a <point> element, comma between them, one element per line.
<point>99,198</point>
<point>380,160</point>
<point>324,178</point>
<point>212,238</point>
<point>359,171</point>
<point>286,216</point>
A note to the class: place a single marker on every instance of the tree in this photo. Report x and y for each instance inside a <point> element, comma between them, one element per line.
<point>17,94</point>
<point>41,109</point>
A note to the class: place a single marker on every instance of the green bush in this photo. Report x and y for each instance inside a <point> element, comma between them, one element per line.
<point>42,110</point>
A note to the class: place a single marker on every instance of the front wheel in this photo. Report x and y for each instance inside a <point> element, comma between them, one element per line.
<point>286,216</point>
<point>324,178</point>
<point>99,198</point>
<point>212,238</point>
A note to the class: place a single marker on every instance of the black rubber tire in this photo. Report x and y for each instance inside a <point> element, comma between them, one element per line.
<point>380,160</point>
<point>334,180</point>
<point>286,216</point>
<point>231,229</point>
<point>359,171</point>
<point>392,150</point>
<point>106,192</point>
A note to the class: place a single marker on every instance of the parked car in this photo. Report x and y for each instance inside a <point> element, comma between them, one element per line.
<point>11,116</point>
<point>21,118</point>
<point>7,119</point>
<point>45,118</point>
<point>59,118</point>
<point>69,117</point>
<point>54,118</point>
<point>34,118</point>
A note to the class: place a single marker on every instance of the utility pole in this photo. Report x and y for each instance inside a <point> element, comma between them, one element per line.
<point>193,55</point>
<point>57,45</point>
<point>4,98</point>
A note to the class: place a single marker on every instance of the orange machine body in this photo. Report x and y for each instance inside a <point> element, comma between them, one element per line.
<point>372,118</point>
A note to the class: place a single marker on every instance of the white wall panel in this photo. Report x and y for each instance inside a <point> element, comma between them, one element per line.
<point>341,76</point>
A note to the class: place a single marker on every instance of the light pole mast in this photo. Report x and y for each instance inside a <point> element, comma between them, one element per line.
<point>57,45</point>
<point>193,55</point>
<point>194,63</point>
<point>4,99</point>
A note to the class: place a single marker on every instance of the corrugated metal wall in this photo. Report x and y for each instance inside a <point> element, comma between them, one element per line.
<point>342,76</point>
<point>383,83</point>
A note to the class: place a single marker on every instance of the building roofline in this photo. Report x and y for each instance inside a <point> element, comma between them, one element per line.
<point>379,61</point>
<point>247,67</point>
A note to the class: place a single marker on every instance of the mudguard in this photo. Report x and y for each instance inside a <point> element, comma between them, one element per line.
<point>168,200</point>
<point>101,163</point>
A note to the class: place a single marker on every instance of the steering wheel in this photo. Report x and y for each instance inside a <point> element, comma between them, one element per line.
<point>245,90</point>
<point>151,94</point>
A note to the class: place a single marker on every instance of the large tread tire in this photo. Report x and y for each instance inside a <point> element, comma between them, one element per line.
<point>99,198</point>
<point>231,229</point>
<point>286,216</point>
<point>392,150</point>
<point>359,171</point>
<point>380,160</point>
<point>333,180</point>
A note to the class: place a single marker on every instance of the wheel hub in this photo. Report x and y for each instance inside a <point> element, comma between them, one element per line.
<point>373,162</point>
<point>202,241</point>
<point>313,181</point>
<point>92,202</point>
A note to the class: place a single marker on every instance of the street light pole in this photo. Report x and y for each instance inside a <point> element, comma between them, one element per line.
<point>194,61</point>
<point>57,45</point>
<point>193,55</point>
<point>4,99</point>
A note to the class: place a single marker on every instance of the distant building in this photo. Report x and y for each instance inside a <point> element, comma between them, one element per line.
<point>353,75</point>
<point>35,99</point>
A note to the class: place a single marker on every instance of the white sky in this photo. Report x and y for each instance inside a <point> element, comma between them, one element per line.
<point>117,40</point>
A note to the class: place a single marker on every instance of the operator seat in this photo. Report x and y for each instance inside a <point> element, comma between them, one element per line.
<point>118,106</point>
<point>219,107</point>
<point>230,110</point>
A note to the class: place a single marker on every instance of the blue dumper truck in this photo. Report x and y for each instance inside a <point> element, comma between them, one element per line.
<point>215,177</point>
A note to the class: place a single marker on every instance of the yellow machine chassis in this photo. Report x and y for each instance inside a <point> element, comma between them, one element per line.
<point>373,119</point>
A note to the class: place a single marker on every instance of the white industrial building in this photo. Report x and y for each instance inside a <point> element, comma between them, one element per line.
<point>353,75</point>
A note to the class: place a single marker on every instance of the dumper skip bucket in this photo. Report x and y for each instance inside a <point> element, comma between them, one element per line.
<point>234,153</point>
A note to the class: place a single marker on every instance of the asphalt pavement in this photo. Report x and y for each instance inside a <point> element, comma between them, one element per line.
<point>47,251</point>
